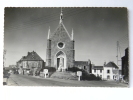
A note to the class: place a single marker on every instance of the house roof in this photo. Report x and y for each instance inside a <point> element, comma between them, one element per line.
<point>97,67</point>
<point>111,64</point>
<point>31,56</point>
<point>83,63</point>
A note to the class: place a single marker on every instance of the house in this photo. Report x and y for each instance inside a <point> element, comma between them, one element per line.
<point>98,71</point>
<point>32,62</point>
<point>110,71</point>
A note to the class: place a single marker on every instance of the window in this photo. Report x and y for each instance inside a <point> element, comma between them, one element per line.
<point>61,45</point>
<point>100,70</point>
<point>108,77</point>
<point>84,67</point>
<point>94,70</point>
<point>108,71</point>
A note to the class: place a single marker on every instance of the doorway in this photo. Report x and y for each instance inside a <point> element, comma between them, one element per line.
<point>60,61</point>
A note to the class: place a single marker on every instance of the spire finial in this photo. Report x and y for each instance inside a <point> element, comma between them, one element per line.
<point>72,34</point>
<point>49,33</point>
<point>61,16</point>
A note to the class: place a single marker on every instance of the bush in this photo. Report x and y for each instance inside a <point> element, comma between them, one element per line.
<point>51,70</point>
<point>74,69</point>
<point>85,75</point>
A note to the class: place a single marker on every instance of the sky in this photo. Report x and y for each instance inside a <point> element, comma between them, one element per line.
<point>96,32</point>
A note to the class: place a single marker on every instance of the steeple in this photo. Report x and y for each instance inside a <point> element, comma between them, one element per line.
<point>72,35</point>
<point>61,17</point>
<point>48,33</point>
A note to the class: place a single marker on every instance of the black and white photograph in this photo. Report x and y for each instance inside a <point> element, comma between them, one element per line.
<point>66,46</point>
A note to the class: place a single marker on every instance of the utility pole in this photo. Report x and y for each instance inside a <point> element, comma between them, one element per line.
<point>118,51</point>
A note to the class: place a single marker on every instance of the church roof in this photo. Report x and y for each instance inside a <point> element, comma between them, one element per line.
<point>111,64</point>
<point>59,29</point>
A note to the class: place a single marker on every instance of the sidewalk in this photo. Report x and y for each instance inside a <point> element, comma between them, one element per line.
<point>11,82</point>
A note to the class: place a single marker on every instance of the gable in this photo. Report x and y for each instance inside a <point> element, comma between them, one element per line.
<point>111,64</point>
<point>60,33</point>
<point>31,56</point>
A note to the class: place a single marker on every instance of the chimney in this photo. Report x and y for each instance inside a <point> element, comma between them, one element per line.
<point>104,63</point>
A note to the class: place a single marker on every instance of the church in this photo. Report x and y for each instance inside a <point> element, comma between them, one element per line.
<point>60,52</point>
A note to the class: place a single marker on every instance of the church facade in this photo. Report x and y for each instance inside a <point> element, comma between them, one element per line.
<point>60,51</point>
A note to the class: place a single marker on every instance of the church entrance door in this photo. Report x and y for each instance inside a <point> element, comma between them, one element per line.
<point>60,61</point>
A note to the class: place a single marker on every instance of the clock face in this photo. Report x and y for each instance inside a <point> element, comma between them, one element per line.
<point>60,45</point>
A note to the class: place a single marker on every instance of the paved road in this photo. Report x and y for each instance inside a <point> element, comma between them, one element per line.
<point>23,80</point>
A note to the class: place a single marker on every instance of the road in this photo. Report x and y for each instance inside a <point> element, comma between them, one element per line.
<point>24,80</point>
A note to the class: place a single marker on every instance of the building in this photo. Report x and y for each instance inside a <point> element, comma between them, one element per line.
<point>60,52</point>
<point>31,62</point>
<point>125,64</point>
<point>108,71</point>
<point>98,71</point>
<point>84,65</point>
